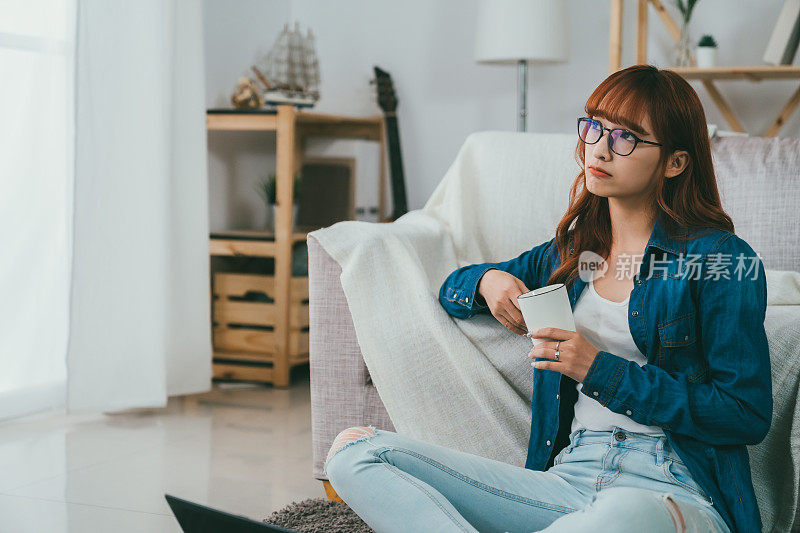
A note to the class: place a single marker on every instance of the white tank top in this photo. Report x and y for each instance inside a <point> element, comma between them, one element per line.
<point>604,323</point>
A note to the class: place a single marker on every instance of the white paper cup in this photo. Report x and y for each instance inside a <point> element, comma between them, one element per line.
<point>546,307</point>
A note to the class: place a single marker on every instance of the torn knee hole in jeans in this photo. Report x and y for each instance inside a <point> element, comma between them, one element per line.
<point>349,437</point>
<point>675,513</point>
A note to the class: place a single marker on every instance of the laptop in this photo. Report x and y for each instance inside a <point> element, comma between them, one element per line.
<point>196,518</point>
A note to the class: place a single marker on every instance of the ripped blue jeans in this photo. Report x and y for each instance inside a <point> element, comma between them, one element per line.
<point>624,481</point>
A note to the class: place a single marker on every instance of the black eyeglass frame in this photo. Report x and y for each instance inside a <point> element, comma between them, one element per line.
<point>603,129</point>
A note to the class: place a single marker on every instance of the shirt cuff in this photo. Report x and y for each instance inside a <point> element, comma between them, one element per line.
<point>603,377</point>
<point>471,289</point>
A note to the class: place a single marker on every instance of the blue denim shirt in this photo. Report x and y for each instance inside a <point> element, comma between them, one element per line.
<point>707,381</point>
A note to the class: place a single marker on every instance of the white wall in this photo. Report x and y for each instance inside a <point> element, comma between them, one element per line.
<point>427,47</point>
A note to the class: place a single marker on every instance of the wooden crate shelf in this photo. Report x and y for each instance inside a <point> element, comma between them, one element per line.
<point>258,314</point>
<point>231,284</point>
<point>240,336</point>
<point>253,340</point>
<point>242,370</point>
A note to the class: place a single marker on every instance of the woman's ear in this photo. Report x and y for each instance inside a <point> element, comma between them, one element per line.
<point>676,163</point>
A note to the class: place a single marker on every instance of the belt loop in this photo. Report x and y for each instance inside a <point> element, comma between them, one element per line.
<point>574,439</point>
<point>660,450</point>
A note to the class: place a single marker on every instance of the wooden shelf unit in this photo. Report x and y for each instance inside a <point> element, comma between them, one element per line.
<point>707,76</point>
<point>261,355</point>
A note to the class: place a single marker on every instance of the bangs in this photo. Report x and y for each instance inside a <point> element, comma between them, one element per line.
<point>622,102</point>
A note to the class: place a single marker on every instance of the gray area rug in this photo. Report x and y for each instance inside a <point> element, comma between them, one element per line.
<point>319,515</point>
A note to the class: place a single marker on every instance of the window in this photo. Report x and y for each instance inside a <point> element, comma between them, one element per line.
<point>37,46</point>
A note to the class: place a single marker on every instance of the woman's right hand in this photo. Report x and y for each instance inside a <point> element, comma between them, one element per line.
<point>500,290</point>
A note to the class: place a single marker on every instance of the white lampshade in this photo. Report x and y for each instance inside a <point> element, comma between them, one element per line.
<point>510,30</point>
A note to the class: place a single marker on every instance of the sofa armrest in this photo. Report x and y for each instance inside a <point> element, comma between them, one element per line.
<point>342,392</point>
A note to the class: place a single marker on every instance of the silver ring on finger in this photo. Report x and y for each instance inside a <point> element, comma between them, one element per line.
<point>556,355</point>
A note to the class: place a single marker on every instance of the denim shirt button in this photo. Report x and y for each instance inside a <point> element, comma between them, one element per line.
<point>628,412</point>
<point>634,313</point>
<point>548,443</point>
<point>466,299</point>
<point>639,282</point>
<point>596,393</point>
<point>557,396</point>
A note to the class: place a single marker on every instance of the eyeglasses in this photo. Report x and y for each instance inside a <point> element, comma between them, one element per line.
<point>620,141</point>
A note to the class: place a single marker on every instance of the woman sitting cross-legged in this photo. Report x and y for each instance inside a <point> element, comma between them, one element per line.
<point>642,415</point>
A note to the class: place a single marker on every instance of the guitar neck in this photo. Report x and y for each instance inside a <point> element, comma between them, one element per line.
<point>396,167</point>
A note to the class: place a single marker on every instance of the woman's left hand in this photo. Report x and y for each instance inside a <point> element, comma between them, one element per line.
<point>575,353</point>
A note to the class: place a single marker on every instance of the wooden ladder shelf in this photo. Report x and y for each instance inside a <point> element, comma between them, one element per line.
<point>706,75</point>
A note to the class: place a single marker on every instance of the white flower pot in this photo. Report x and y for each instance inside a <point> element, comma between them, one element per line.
<point>273,216</point>
<point>706,56</point>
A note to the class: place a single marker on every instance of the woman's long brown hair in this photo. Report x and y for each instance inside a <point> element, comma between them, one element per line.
<point>688,200</point>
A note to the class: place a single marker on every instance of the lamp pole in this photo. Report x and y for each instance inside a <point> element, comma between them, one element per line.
<point>522,93</point>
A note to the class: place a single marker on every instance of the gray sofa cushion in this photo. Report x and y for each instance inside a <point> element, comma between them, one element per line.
<point>759,182</point>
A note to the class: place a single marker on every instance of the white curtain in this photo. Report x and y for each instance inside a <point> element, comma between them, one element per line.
<point>139,307</point>
<point>36,172</point>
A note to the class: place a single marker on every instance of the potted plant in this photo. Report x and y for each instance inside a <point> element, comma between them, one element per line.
<point>267,187</point>
<point>706,52</point>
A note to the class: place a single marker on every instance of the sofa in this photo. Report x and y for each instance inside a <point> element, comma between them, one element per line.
<point>759,184</point>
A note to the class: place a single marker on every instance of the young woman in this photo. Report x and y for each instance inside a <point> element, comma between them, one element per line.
<point>641,417</point>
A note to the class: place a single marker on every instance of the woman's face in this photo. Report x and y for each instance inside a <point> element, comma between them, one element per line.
<point>633,176</point>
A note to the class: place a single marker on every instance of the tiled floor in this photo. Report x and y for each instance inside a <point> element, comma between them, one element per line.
<point>242,448</point>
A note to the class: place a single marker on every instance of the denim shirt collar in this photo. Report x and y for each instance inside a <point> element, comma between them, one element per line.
<point>659,239</point>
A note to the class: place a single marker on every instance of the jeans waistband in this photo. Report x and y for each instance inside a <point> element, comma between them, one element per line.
<point>657,445</point>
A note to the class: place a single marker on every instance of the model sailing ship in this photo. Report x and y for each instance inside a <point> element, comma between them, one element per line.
<point>290,71</point>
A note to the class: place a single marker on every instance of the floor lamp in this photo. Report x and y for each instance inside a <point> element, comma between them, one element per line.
<point>519,32</point>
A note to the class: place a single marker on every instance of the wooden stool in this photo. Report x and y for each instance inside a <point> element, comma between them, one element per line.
<point>330,493</point>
